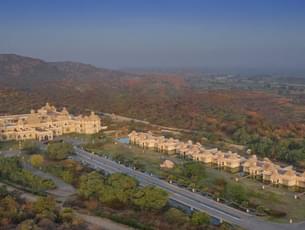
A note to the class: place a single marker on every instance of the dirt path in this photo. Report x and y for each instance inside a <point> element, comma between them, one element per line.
<point>62,190</point>
<point>93,222</point>
<point>102,223</point>
<point>28,196</point>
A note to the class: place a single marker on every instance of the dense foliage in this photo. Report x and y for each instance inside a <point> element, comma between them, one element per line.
<point>189,174</point>
<point>291,150</point>
<point>11,169</point>
<point>68,170</point>
<point>150,198</point>
<point>119,190</point>
<point>29,147</point>
<point>16,213</point>
<point>59,151</point>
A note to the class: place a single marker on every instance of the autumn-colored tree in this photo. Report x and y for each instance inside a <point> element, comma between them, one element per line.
<point>44,204</point>
<point>8,208</point>
<point>36,160</point>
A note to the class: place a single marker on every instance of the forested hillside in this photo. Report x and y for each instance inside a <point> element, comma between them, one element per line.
<point>271,124</point>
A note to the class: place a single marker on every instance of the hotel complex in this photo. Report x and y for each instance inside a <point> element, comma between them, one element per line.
<point>46,123</point>
<point>265,169</point>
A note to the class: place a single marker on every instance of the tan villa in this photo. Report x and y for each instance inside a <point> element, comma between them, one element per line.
<point>188,149</point>
<point>264,169</point>
<point>46,123</point>
<point>273,173</point>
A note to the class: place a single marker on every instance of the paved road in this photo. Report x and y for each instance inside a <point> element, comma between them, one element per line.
<point>186,197</point>
<point>123,118</point>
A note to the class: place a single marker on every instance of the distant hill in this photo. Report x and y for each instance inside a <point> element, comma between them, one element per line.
<point>75,85</point>
<point>25,72</point>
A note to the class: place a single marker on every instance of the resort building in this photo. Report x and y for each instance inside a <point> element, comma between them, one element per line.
<point>253,167</point>
<point>46,123</point>
<point>228,160</point>
<point>264,169</point>
<point>188,149</point>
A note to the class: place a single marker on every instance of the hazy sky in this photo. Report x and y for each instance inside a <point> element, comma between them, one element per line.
<point>259,34</point>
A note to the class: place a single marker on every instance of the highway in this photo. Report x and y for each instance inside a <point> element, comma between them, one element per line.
<point>186,197</point>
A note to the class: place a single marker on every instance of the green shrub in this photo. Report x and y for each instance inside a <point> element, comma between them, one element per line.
<point>200,218</point>
<point>59,151</point>
<point>275,213</point>
<point>176,216</point>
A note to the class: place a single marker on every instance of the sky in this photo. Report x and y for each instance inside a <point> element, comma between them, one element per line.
<point>220,34</point>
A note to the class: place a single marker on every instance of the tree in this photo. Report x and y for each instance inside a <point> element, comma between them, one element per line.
<point>3,191</point>
<point>262,146</point>
<point>70,219</point>
<point>67,215</point>
<point>176,216</point>
<point>200,218</point>
<point>11,169</point>
<point>67,176</point>
<point>150,198</point>
<point>8,207</point>
<point>59,151</point>
<point>47,224</point>
<point>43,204</point>
<point>30,147</point>
<point>122,181</point>
<point>118,190</point>
<point>111,197</point>
<point>236,192</point>
<point>241,136</point>
<point>91,185</point>
<point>36,160</point>
<point>194,171</point>
<point>27,225</point>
